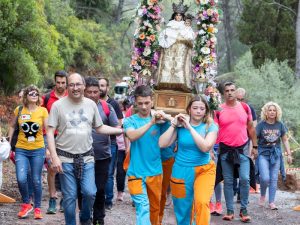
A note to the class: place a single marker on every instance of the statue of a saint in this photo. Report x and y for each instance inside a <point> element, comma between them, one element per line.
<point>175,65</point>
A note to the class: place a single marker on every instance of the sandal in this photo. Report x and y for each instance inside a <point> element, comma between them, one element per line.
<point>229,215</point>
<point>273,206</point>
<point>245,218</point>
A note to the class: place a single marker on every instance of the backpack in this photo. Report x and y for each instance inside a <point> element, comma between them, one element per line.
<point>245,106</point>
<point>105,107</point>
<point>14,137</point>
<point>46,99</point>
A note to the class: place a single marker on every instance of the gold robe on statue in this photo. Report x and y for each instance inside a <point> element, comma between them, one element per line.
<point>175,67</point>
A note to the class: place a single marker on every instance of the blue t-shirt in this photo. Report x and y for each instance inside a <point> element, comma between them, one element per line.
<point>188,154</point>
<point>269,134</point>
<point>144,152</point>
<point>167,153</point>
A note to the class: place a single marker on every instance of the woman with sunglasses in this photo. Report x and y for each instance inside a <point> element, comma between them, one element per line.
<point>30,148</point>
<point>194,173</point>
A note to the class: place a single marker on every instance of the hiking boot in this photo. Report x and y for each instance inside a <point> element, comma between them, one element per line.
<point>52,206</point>
<point>61,207</point>
<point>25,210</point>
<point>218,208</point>
<point>229,215</point>
<point>212,207</point>
<point>245,218</point>
<point>38,214</point>
<point>108,207</point>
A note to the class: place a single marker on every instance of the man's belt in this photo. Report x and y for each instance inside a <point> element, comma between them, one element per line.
<point>77,160</point>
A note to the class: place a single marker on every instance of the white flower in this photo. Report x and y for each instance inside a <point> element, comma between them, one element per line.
<point>205,50</point>
<point>216,30</point>
<point>147,51</point>
<point>213,39</point>
<point>140,12</point>
<point>201,32</point>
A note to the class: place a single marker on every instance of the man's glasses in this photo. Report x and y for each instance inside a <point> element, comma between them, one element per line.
<point>75,85</point>
<point>33,94</point>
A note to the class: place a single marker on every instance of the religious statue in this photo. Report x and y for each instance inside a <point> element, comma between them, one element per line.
<point>175,65</point>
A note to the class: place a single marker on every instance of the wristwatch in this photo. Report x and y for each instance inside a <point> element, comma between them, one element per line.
<point>254,146</point>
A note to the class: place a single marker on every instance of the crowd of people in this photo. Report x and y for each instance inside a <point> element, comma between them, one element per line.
<point>80,135</point>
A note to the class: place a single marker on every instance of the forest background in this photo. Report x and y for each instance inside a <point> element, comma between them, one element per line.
<point>258,46</point>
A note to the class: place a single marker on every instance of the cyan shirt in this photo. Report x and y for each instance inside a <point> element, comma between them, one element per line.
<point>188,153</point>
<point>167,153</point>
<point>145,157</point>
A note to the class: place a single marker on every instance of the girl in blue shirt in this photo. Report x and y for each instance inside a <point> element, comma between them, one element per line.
<point>193,174</point>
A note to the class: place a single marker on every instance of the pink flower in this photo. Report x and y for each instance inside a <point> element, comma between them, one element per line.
<point>147,43</point>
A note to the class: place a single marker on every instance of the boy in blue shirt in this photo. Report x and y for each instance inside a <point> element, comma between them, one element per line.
<point>145,168</point>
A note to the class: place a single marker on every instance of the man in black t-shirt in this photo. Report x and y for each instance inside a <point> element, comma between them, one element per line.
<point>109,189</point>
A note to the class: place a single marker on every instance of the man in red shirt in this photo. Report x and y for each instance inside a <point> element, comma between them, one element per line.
<point>59,91</point>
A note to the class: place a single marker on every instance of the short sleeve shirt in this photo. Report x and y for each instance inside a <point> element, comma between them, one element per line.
<point>233,122</point>
<point>145,157</point>
<point>74,123</point>
<point>101,142</point>
<point>188,153</point>
<point>270,134</point>
<point>31,128</point>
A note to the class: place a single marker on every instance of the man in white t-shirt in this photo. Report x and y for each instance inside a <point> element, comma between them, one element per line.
<point>73,117</point>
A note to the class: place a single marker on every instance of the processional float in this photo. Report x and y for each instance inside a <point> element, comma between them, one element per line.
<point>174,59</point>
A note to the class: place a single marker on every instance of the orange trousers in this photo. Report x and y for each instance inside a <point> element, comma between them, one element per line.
<point>192,188</point>
<point>146,193</point>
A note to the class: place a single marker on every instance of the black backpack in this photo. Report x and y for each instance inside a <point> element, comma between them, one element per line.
<point>14,137</point>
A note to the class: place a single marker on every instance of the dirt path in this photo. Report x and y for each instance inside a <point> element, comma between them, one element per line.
<point>124,214</point>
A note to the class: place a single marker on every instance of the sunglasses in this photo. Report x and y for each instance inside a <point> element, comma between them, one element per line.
<point>33,94</point>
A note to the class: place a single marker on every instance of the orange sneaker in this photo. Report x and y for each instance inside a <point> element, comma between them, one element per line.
<point>212,207</point>
<point>25,210</point>
<point>218,208</point>
<point>38,214</point>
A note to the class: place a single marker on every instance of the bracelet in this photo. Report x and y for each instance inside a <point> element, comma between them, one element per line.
<point>255,146</point>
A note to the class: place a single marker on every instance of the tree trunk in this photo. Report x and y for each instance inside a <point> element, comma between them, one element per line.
<point>228,33</point>
<point>298,43</point>
<point>119,11</point>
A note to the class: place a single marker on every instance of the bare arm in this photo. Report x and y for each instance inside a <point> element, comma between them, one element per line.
<point>133,135</point>
<point>56,163</point>
<point>104,129</point>
<point>204,144</point>
<point>253,137</point>
<point>12,127</point>
<point>286,146</point>
<point>167,138</point>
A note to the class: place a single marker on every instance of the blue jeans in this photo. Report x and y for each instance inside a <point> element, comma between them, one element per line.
<point>33,160</point>
<point>268,176</point>
<point>109,187</point>
<point>69,190</point>
<point>244,179</point>
<point>218,188</point>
